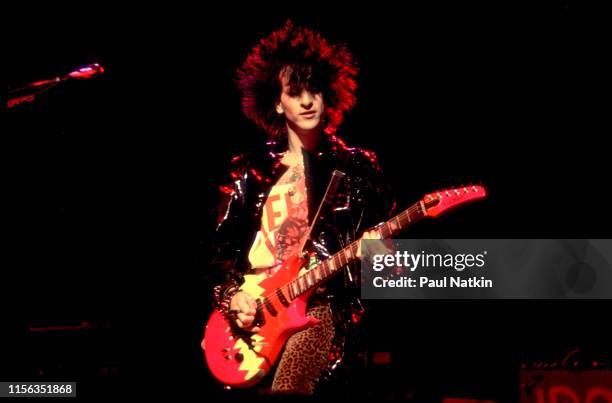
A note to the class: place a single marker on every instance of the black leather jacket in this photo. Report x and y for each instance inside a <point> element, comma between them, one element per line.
<point>361,201</point>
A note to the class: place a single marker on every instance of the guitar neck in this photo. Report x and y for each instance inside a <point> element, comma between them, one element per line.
<point>432,205</point>
<point>328,268</point>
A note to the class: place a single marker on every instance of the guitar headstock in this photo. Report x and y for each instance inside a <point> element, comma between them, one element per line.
<point>439,202</point>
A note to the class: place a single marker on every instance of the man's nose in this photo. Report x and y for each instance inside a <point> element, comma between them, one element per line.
<point>306,100</point>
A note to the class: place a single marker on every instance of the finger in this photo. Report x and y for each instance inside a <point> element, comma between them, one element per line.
<point>244,306</point>
<point>239,323</point>
<point>252,304</point>
<point>373,234</point>
<point>235,301</point>
<point>255,329</point>
<point>246,319</point>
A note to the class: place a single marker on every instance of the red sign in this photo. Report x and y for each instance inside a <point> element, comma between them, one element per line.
<point>566,387</point>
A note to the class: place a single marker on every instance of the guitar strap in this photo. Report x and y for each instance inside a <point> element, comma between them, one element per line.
<point>330,193</point>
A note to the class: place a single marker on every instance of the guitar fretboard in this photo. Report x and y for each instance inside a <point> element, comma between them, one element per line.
<point>348,254</point>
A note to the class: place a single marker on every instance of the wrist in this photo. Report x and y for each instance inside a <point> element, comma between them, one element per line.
<point>224,295</point>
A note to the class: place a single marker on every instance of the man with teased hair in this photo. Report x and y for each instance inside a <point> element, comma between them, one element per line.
<point>297,87</point>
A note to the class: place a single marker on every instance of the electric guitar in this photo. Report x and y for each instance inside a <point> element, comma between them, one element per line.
<point>239,358</point>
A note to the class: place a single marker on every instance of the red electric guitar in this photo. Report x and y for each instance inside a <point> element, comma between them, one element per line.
<point>239,358</point>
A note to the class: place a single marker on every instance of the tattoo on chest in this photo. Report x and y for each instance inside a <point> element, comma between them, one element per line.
<point>295,174</point>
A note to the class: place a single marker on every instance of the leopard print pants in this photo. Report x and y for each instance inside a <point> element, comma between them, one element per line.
<point>306,355</point>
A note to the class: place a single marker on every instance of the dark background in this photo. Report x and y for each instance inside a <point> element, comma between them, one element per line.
<point>112,182</point>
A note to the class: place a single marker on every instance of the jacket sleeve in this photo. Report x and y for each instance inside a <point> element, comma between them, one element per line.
<point>227,255</point>
<point>377,197</point>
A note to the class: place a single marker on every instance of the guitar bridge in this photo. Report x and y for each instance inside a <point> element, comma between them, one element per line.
<point>258,343</point>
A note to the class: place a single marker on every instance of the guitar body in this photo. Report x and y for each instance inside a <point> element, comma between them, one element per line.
<point>238,358</point>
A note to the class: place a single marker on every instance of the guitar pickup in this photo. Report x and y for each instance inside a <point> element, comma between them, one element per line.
<point>260,319</point>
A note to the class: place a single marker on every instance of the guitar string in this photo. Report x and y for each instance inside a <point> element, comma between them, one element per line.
<point>414,208</point>
<point>285,286</point>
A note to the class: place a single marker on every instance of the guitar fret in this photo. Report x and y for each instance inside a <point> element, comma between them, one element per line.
<point>340,256</point>
<point>294,289</point>
<point>405,218</point>
<point>349,256</point>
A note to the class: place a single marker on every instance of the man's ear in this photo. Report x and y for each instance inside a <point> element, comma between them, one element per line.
<point>279,108</point>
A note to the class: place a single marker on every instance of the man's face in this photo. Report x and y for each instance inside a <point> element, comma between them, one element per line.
<point>303,110</point>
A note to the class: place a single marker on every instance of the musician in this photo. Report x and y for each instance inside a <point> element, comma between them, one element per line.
<point>297,87</point>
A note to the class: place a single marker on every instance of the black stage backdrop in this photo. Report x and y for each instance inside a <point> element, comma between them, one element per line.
<point>112,182</point>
